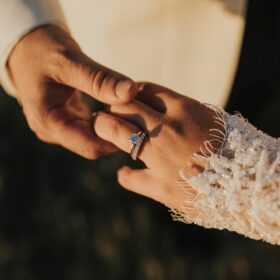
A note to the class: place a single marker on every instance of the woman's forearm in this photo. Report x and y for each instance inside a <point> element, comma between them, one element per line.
<point>240,190</point>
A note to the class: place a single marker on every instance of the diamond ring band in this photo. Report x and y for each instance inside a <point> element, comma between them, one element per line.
<point>136,140</point>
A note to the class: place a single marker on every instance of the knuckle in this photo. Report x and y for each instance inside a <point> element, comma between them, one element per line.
<point>97,79</point>
<point>186,107</point>
<point>180,104</point>
<point>172,126</point>
<point>132,106</point>
<point>90,152</point>
<point>114,129</point>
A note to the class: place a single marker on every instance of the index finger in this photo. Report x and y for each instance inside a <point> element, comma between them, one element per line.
<point>106,85</point>
<point>76,134</point>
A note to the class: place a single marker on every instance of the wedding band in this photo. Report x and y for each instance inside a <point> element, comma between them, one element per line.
<point>136,140</point>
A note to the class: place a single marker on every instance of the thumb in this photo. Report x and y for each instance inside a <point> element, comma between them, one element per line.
<point>101,83</point>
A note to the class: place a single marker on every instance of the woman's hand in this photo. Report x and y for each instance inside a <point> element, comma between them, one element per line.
<point>50,71</point>
<point>177,127</point>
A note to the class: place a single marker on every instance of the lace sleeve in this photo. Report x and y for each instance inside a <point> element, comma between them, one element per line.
<point>240,189</point>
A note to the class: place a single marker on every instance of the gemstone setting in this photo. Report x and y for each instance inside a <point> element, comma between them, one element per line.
<point>134,138</point>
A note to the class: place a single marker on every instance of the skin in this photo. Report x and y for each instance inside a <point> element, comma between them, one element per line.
<point>177,126</point>
<point>50,71</point>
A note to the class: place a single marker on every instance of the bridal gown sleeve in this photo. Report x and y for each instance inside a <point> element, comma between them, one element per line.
<point>17,18</point>
<point>239,190</point>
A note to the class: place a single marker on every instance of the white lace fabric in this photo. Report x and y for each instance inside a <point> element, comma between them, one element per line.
<point>240,189</point>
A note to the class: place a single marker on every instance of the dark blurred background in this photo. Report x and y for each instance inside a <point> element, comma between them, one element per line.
<point>63,217</point>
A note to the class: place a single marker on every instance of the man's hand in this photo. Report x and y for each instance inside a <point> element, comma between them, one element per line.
<point>50,71</point>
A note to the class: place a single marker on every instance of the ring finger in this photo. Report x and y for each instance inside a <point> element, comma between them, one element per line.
<point>118,131</point>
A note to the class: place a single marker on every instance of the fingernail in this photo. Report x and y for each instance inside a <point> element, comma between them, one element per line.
<point>123,89</point>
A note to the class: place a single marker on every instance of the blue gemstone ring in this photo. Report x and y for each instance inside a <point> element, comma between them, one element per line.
<point>136,140</point>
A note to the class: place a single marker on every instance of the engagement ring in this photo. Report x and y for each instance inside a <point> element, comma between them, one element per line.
<point>136,140</point>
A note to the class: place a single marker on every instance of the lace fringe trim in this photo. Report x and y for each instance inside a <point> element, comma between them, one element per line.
<point>230,201</point>
<point>188,213</point>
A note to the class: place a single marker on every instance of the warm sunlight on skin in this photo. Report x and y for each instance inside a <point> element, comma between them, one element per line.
<point>176,125</point>
<point>50,71</point>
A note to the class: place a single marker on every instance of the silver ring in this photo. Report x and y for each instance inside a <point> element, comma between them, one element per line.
<point>136,140</point>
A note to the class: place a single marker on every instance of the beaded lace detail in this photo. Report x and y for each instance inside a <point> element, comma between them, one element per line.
<point>240,188</point>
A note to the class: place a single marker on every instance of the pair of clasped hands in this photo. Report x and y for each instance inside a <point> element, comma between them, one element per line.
<point>50,71</point>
